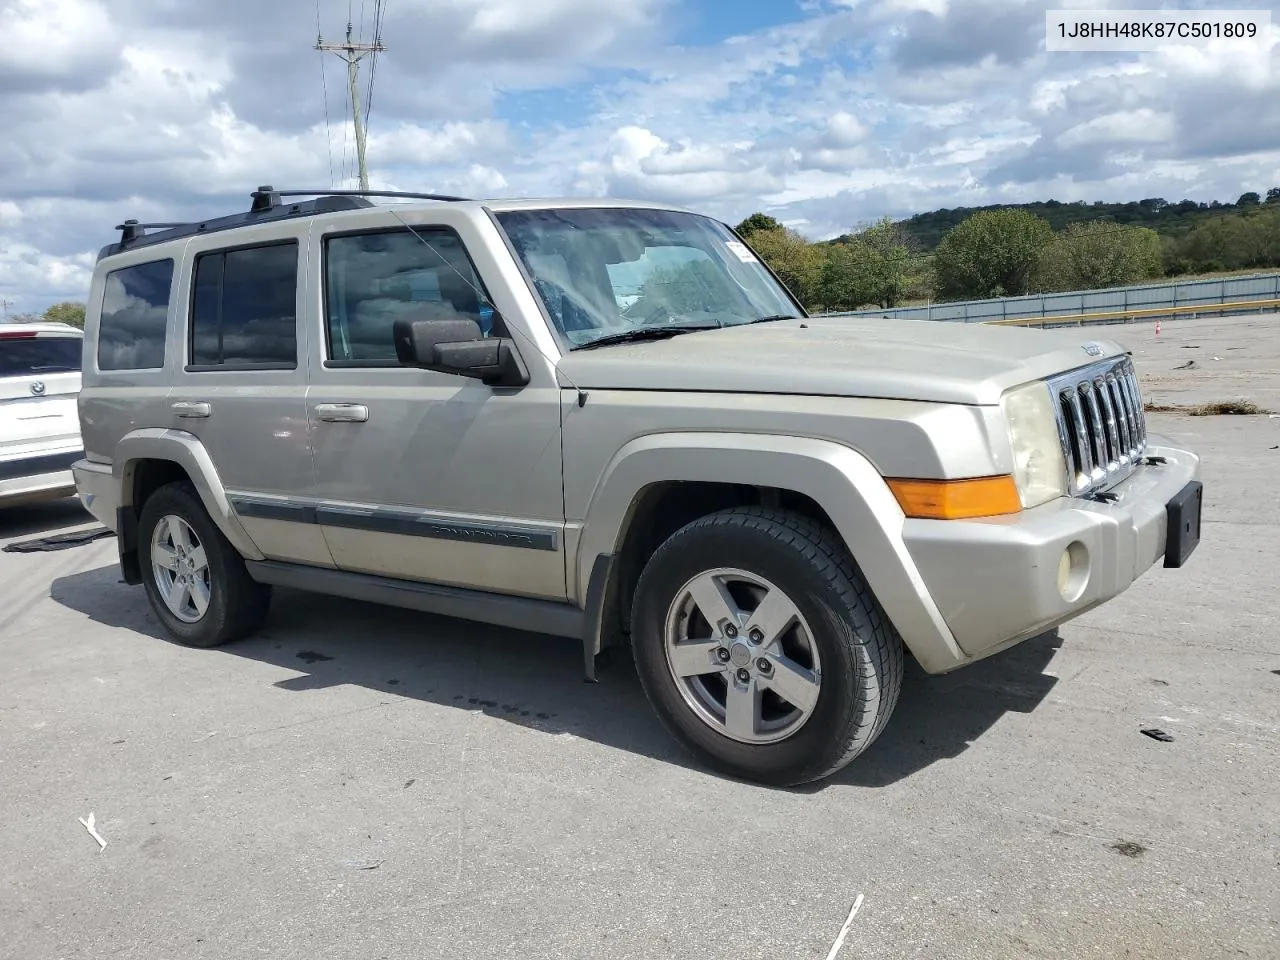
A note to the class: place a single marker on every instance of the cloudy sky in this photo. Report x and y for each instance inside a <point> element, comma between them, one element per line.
<point>825,113</point>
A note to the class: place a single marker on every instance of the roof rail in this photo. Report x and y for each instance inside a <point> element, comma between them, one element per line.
<point>265,198</point>
<point>267,206</point>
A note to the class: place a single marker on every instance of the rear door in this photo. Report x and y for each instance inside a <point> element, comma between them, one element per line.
<point>242,388</point>
<point>39,381</point>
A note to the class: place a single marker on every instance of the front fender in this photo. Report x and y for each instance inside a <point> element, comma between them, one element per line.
<point>186,450</point>
<point>842,481</point>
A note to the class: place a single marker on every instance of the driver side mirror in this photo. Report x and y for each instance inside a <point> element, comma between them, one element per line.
<point>459,347</point>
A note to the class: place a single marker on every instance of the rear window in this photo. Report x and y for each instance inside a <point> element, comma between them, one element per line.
<point>135,309</point>
<point>30,356</point>
<point>244,308</point>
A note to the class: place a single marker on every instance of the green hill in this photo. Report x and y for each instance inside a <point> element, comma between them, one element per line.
<point>1170,219</point>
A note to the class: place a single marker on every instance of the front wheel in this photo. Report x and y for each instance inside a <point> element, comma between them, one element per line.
<point>761,648</point>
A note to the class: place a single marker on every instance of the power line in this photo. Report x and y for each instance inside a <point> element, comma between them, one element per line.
<point>324,86</point>
<point>379,13</point>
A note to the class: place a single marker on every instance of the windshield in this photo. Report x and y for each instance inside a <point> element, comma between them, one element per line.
<point>25,356</point>
<point>603,271</point>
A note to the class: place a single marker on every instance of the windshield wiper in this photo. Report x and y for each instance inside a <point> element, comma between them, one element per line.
<point>650,333</point>
<point>776,316</point>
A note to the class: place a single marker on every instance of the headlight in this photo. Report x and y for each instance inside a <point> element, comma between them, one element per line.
<point>1038,464</point>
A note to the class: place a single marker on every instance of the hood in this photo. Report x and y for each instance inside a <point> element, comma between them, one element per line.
<point>927,360</point>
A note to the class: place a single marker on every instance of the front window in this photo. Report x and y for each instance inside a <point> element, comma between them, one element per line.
<point>604,271</point>
<point>374,279</point>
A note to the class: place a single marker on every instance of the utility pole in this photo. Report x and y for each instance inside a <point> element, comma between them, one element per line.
<point>353,53</point>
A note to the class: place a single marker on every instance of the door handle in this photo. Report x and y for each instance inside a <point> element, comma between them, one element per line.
<point>342,412</point>
<point>191,409</point>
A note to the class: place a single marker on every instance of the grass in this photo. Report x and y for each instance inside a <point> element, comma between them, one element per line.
<point>1222,408</point>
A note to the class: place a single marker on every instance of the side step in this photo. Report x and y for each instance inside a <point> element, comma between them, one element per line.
<point>518,613</point>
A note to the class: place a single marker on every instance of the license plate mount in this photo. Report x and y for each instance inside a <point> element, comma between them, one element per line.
<point>1183,532</point>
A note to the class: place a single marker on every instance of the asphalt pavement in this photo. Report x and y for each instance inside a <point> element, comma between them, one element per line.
<point>363,782</point>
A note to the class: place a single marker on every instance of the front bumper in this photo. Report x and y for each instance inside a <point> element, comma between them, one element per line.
<point>46,476</point>
<point>999,581</point>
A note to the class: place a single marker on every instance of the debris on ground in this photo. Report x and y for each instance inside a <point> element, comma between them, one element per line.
<point>1157,734</point>
<point>88,825</point>
<point>364,864</point>
<point>1221,408</point>
<point>844,930</point>
<point>1127,848</point>
<point>59,541</point>
<point>1186,366</point>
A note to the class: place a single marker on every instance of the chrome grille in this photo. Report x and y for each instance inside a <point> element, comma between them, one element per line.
<point>1101,423</point>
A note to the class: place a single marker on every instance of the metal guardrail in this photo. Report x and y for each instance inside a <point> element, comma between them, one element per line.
<point>1126,316</point>
<point>1146,301</point>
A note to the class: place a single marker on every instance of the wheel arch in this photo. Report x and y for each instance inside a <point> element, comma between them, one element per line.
<point>147,459</point>
<point>703,472</point>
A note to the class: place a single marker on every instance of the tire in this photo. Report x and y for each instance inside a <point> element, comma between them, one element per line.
<point>839,640</point>
<point>234,605</point>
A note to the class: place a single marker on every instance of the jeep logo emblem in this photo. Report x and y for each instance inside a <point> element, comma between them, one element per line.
<point>38,388</point>
<point>1092,349</point>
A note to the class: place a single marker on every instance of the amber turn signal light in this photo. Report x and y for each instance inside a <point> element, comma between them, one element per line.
<point>957,499</point>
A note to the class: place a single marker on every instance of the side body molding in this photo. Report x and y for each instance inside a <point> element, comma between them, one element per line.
<point>837,477</point>
<point>184,449</point>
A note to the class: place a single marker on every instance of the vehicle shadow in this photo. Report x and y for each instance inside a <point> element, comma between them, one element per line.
<point>42,517</point>
<point>536,681</point>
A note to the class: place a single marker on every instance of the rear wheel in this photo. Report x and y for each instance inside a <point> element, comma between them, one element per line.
<point>762,649</point>
<point>195,580</point>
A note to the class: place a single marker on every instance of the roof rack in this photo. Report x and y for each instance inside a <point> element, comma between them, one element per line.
<point>268,205</point>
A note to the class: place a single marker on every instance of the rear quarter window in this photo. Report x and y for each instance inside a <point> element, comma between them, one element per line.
<point>27,356</point>
<point>135,313</point>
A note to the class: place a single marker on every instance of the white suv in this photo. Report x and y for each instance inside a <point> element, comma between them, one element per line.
<point>39,425</point>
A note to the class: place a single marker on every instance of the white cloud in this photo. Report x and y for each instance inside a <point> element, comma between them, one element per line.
<point>412,145</point>
<point>1125,127</point>
<point>56,43</point>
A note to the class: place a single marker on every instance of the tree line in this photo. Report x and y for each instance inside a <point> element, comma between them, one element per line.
<point>1164,216</point>
<point>69,311</point>
<point>1010,251</point>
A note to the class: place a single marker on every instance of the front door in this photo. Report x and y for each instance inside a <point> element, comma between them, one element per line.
<point>421,475</point>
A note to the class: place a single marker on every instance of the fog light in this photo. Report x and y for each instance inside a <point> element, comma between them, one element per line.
<point>1073,572</point>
